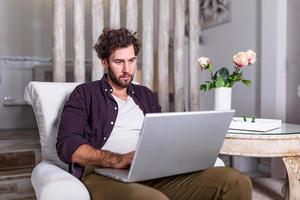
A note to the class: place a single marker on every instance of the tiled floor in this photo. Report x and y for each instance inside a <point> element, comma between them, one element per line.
<point>28,140</point>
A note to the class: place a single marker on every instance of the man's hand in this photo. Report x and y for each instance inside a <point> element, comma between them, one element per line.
<point>114,160</point>
<point>87,155</point>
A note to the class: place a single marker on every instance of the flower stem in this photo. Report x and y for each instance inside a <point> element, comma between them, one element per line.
<point>237,69</point>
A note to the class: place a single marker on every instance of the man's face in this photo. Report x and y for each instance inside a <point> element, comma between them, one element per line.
<point>121,66</point>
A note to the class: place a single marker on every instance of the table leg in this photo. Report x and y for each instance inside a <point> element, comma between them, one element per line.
<point>292,165</point>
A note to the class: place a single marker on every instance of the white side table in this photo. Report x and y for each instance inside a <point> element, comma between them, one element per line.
<point>283,142</point>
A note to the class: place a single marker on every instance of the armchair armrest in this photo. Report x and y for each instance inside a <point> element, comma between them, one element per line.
<point>51,182</point>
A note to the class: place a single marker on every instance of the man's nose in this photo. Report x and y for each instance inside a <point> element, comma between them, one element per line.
<point>125,67</point>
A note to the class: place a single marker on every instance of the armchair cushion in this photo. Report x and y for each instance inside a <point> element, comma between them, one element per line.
<point>47,100</point>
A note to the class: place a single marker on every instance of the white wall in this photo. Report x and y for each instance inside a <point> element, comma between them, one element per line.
<point>14,75</point>
<point>221,42</point>
<point>293,62</point>
<point>26,28</point>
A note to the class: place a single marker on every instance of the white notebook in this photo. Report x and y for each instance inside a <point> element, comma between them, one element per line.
<point>262,125</point>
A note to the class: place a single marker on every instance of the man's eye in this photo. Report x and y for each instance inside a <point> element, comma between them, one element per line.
<point>118,61</point>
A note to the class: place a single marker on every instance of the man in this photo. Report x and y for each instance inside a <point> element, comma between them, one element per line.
<point>100,126</point>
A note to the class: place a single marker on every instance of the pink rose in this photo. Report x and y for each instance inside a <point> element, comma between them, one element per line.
<point>240,59</point>
<point>204,62</point>
<point>251,56</point>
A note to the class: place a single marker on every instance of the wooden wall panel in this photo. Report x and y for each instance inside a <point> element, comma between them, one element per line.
<point>194,48</point>
<point>179,45</point>
<point>79,41</point>
<point>147,43</point>
<point>132,15</point>
<point>59,40</point>
<point>97,28</point>
<point>114,14</point>
<point>163,54</point>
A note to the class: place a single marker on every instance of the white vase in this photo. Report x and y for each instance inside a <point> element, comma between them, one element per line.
<point>223,98</point>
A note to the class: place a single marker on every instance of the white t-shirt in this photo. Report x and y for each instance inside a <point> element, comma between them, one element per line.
<point>127,128</point>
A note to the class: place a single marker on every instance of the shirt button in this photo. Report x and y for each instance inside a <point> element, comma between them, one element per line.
<point>115,108</point>
<point>132,92</point>
<point>105,90</point>
<point>110,90</point>
<point>105,138</point>
<point>112,123</point>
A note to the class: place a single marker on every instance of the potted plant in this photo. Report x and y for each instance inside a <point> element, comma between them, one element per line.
<point>222,80</point>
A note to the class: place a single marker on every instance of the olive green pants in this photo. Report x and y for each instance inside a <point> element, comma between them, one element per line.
<point>213,183</point>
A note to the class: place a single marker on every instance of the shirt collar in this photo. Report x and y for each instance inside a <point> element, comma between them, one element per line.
<point>105,86</point>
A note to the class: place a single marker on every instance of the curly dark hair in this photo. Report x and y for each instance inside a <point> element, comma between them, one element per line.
<point>112,39</point>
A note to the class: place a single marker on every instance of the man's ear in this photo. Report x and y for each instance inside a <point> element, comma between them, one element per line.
<point>104,63</point>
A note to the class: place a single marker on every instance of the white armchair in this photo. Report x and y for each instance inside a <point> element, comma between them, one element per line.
<point>50,178</point>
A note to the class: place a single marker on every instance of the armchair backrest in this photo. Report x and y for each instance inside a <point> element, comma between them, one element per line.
<point>47,100</point>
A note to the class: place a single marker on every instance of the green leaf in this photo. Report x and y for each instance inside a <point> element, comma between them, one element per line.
<point>207,86</point>
<point>203,87</point>
<point>211,86</point>
<point>247,82</point>
<point>220,82</point>
<point>231,79</point>
<point>224,73</point>
<point>210,68</point>
<point>227,83</point>
<point>214,76</point>
<point>234,77</point>
<point>239,77</point>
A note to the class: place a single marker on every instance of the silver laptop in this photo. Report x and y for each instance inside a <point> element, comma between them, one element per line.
<point>175,143</point>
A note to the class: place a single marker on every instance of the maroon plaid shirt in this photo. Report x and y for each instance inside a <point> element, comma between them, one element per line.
<point>89,114</point>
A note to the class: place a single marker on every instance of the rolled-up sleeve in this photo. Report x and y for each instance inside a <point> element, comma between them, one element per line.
<point>73,121</point>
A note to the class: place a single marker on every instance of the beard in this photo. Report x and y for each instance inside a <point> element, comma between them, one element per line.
<point>117,80</point>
